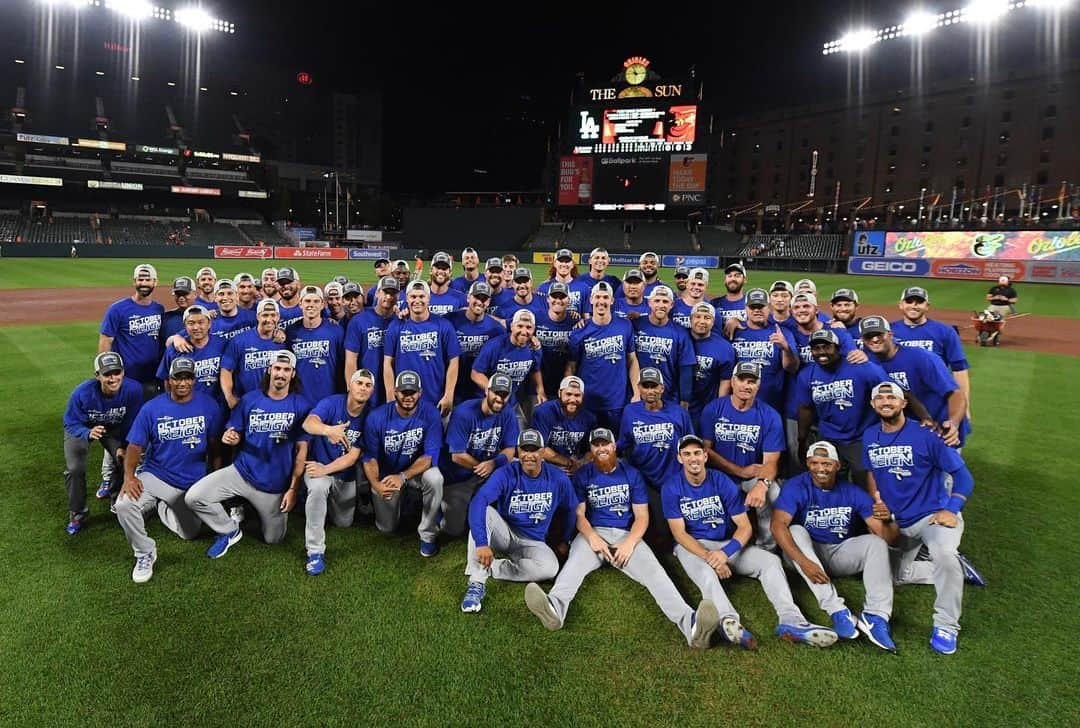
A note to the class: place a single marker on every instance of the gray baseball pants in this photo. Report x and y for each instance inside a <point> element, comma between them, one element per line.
<point>329,492</point>
<point>764,537</point>
<point>867,554</point>
<point>206,496</point>
<point>76,450</point>
<point>170,505</point>
<point>943,570</point>
<point>751,561</point>
<point>388,510</point>
<point>526,560</point>
<point>455,504</point>
<point>642,567</point>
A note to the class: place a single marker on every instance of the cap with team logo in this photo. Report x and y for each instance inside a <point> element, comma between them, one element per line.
<point>493,264</point>
<point>823,449</point>
<point>407,381</point>
<point>195,310</point>
<point>602,287</point>
<point>661,292</point>
<point>782,285</point>
<point>224,284</point>
<point>146,270</point>
<point>181,366</point>
<point>268,304</point>
<point>352,289</point>
<point>650,374</point>
<point>915,292</point>
<point>572,382</point>
<point>564,254</point>
<point>362,374</point>
<point>183,284</point>
<point>243,278</point>
<point>522,274</point>
<point>287,274</point>
<point>735,267</point>
<point>558,288</point>
<point>874,325</point>
<point>523,314</point>
<point>682,271</point>
<point>687,440</point>
<point>699,274</point>
<point>389,283</point>
<point>399,264</point>
<point>827,335</point>
<point>480,288</point>
<point>747,369</point>
<point>633,275</point>
<point>311,291</point>
<point>807,284</point>
<point>804,298</point>
<point>844,294</point>
<point>108,362</point>
<point>500,384</point>
<point>601,434</point>
<point>704,307</point>
<point>333,288</point>
<point>530,440</point>
<point>888,387</point>
<point>757,297</point>
<point>418,286</point>
<point>283,356</point>
<point>341,280</point>
<point>441,258</point>
<point>647,254</point>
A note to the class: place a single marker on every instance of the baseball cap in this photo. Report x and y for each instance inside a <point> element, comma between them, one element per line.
<point>272,272</point>
<point>362,374</point>
<point>558,288</point>
<point>243,278</point>
<point>530,440</point>
<point>108,362</point>
<point>703,307</point>
<point>144,269</point>
<point>888,387</point>
<point>195,310</point>
<point>735,267</point>
<point>594,251</point>
<point>351,289</point>
<point>747,369</point>
<point>311,291</point>
<point>181,365</point>
<point>283,356</point>
<point>183,284</point>
<point>268,304</point>
<point>827,335</point>
<point>757,297</point>
<point>647,254</point>
<point>388,283</point>
<point>441,258</point>
<point>915,292</point>
<point>806,283</point>
<point>418,286</point>
<point>815,451</point>
<point>224,284</point>
<point>493,263</point>
<point>572,382</point>
<point>633,275</point>
<point>844,294</point>
<point>603,287</point>
<point>873,325</point>
<point>661,291</point>
<point>782,286</point>
<point>602,434</point>
<point>500,383</point>
<point>206,269</point>
<point>682,271</point>
<point>651,374</point>
<point>522,274</point>
<point>805,298</point>
<point>1003,280</point>
<point>523,314</point>
<point>480,288</point>
<point>287,274</point>
<point>333,288</point>
<point>564,254</point>
<point>341,280</point>
<point>699,274</point>
<point>468,249</point>
<point>407,381</point>
<point>380,262</point>
<point>400,264</point>
<point>691,439</point>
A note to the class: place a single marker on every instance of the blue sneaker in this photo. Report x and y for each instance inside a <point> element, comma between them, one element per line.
<point>971,574</point>
<point>474,597</point>
<point>315,565</point>
<point>103,490</point>
<point>844,624</point>
<point>428,548</point>
<point>736,634</point>
<point>876,629</point>
<point>74,527</point>
<point>806,634</point>
<point>943,641</point>
<point>222,543</point>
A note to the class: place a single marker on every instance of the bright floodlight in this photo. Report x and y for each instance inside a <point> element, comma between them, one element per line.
<point>985,11</point>
<point>1049,4</point>
<point>135,9</point>
<point>920,23</point>
<point>858,41</point>
<point>194,18</point>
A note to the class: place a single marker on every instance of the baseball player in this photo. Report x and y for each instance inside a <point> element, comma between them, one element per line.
<point>612,516</point>
<point>707,517</point>
<point>480,437</point>
<point>172,321</point>
<point>599,260</point>
<point>666,346</point>
<point>773,348</point>
<point>780,293</point>
<point>382,270</point>
<point>474,328</point>
<point>812,523</point>
<point>425,344</point>
<point>1002,298</point>
<point>732,305</point>
<point>715,359</point>
<point>630,302</point>
<point>845,309</point>
<point>205,355</point>
<point>352,302</point>
<point>336,310</point>
<point>906,464</point>
<point>693,292</point>
<point>318,345</point>
<point>513,354</point>
<point>365,336</point>
<point>553,327</point>
<point>682,275</point>
<point>564,270</point>
<point>205,280</point>
<point>246,295</point>
<point>246,358</point>
<point>744,438</point>
<point>470,261</point>
<point>402,440</point>
<point>178,434</point>
<point>335,425</point>
<point>132,328</point>
<point>231,320</point>
<point>524,296</point>
<point>649,265</point>
<point>101,409</point>
<point>511,514</point>
<point>288,283</point>
<point>493,275</point>
<point>563,423</point>
<point>269,284</point>
<point>267,425</point>
<point>444,298</point>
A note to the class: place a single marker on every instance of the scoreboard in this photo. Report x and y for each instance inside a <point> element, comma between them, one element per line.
<point>643,129</point>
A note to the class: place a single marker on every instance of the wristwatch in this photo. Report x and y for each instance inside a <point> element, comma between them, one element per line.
<point>766,481</point>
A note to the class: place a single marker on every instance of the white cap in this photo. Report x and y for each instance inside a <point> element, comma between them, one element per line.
<point>704,307</point>
<point>661,291</point>
<point>602,287</point>
<point>523,314</point>
<point>283,356</point>
<point>806,283</point>
<point>647,254</point>
<point>333,287</point>
<point>195,310</point>
<point>807,297</point>
<point>828,447</point>
<point>145,269</point>
<point>311,291</point>
<point>422,285</point>
<point>362,374</point>
<point>224,284</point>
<point>271,271</point>
<point>268,303</point>
<point>242,277</point>
<point>206,269</point>
<point>699,274</point>
<point>891,386</point>
<point>572,381</point>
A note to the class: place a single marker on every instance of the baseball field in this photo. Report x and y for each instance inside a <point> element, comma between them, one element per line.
<point>251,640</point>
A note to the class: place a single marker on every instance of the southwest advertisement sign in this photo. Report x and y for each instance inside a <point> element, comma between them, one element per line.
<point>691,261</point>
<point>1054,245</point>
<point>368,253</point>
<point>686,179</point>
<point>312,253</point>
<point>243,251</point>
<point>888,267</point>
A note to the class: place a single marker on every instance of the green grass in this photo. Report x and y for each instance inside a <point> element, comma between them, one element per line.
<point>379,638</point>
<point>1039,298</point>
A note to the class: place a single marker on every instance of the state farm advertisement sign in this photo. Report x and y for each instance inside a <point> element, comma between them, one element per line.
<point>312,253</point>
<point>243,251</point>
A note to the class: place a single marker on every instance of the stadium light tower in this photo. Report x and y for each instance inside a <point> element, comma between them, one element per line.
<point>194,18</point>
<point>921,22</point>
<point>986,11</point>
<point>134,9</point>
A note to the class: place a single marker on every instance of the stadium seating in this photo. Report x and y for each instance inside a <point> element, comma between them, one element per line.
<point>137,232</point>
<point>598,234</point>
<point>661,236</point>
<point>214,233</point>
<point>150,170</point>
<point>10,227</point>
<point>226,175</point>
<point>792,246</point>
<point>548,236</point>
<point>720,241</point>
<point>59,230</point>
<point>266,233</point>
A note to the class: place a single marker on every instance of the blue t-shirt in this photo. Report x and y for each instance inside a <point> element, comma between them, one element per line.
<point>471,336</point>
<point>804,357</point>
<point>207,367</point>
<point>726,309</point>
<point>289,315</point>
<point>498,301</point>
<point>609,498</point>
<point>425,347</point>
<point>463,284</point>
<point>209,305</point>
<point>924,374</point>
<point>226,328</point>
<point>841,398</point>
<point>587,282</point>
<point>623,308</point>
<point>88,407</point>
<point>176,437</point>
<point>333,411</point>
<point>527,504</point>
<point>740,437</point>
<point>441,304</point>
<point>909,469</point>
<point>135,331</point>
<point>601,353</point>
<point>566,436</point>
<point>681,313</point>
<point>396,442</point>
<point>934,336</point>
<point>482,436</point>
<point>500,356</point>
<point>715,361</point>
<point>650,440</point>
<point>537,306</point>
<point>753,345</point>
<point>669,349</point>
<point>364,337</point>
<point>248,357</point>
<point>825,514</point>
<point>269,428</point>
<point>319,357</point>
<point>706,509</point>
<point>554,337</point>
<point>172,322</point>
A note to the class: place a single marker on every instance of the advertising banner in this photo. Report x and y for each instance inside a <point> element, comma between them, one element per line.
<point>368,253</point>
<point>868,243</point>
<point>888,267</point>
<point>686,179</point>
<point>977,269</point>
<point>184,190</point>
<point>575,181</point>
<point>549,258</point>
<point>243,251</point>
<point>366,236</point>
<point>981,244</point>
<point>303,233</point>
<point>316,253</point>
<point>625,259</point>
<point>692,261</point>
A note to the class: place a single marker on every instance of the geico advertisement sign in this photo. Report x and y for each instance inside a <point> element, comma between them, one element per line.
<point>888,267</point>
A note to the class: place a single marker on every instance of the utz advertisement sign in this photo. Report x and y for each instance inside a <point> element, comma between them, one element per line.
<point>1054,245</point>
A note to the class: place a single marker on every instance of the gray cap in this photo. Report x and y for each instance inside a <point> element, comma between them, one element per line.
<point>602,287</point>
<point>572,381</point>
<point>661,291</point>
<point>493,263</point>
<point>287,274</point>
<point>401,263</point>
<point>683,271</point>
<point>107,362</point>
<point>747,369</point>
<point>183,284</point>
<point>633,275</point>
<point>699,274</point>
<point>312,291</point>
<point>267,304</point>
<point>739,267</point>
<point>874,325</point>
<point>691,439</point>
<point>407,381</point>
<point>442,258</point>
<point>601,433</point>
<point>522,273</point>
<point>757,297</point>
<point>530,439</point>
<point>351,289</point>
<point>195,310</point>
<point>558,287</point>
<point>651,374</point>
<point>888,387</point>
<point>480,288</point>
<point>827,335</point>
<point>782,285</point>
<point>181,365</point>
<point>844,294</point>
<point>341,280</point>
<point>915,292</point>
<point>564,253</point>
<point>389,283</point>
<point>500,383</point>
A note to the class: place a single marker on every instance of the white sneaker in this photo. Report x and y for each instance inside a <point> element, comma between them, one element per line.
<point>144,568</point>
<point>537,602</point>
